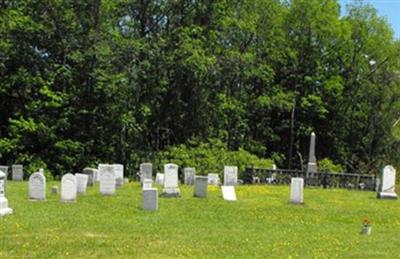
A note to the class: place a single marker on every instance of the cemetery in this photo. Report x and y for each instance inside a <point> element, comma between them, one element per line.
<point>199,129</point>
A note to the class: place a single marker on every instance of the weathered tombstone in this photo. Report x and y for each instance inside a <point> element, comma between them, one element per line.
<point>4,169</point>
<point>213,179</point>
<point>107,180</point>
<point>54,189</point>
<point>17,172</point>
<point>100,168</point>
<point>41,171</point>
<point>312,160</point>
<point>119,174</point>
<point>4,209</point>
<point>81,182</point>
<point>230,175</point>
<point>147,184</point>
<point>296,190</point>
<point>90,172</point>
<point>150,199</point>
<point>388,183</point>
<point>171,181</point>
<point>189,174</point>
<point>37,186</point>
<point>68,188</point>
<point>146,171</point>
<point>228,193</point>
<point>160,178</point>
<point>200,186</point>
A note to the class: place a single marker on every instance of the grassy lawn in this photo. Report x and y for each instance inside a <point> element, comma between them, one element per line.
<point>261,224</point>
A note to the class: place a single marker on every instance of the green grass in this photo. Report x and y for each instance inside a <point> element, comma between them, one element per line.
<point>261,224</point>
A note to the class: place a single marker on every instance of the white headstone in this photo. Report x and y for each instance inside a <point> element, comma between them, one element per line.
<point>41,171</point>
<point>388,183</point>
<point>160,178</point>
<point>171,181</point>
<point>68,188</point>
<point>213,179</point>
<point>150,199</point>
<point>37,186</point>
<point>4,169</point>
<point>4,209</point>
<point>200,186</point>
<point>189,174</point>
<point>119,174</point>
<point>296,190</point>
<point>17,172</point>
<point>228,193</point>
<point>82,180</point>
<point>230,175</point>
<point>146,171</point>
<point>107,180</point>
<point>147,184</point>
<point>100,168</point>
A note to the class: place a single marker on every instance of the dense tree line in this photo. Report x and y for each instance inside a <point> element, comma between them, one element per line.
<point>102,80</point>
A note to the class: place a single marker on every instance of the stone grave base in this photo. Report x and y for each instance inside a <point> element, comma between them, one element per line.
<point>387,195</point>
<point>171,192</point>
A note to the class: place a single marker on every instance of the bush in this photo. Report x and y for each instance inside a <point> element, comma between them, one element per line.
<point>210,157</point>
<point>327,165</point>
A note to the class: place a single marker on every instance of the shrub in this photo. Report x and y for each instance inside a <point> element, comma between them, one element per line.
<point>327,165</point>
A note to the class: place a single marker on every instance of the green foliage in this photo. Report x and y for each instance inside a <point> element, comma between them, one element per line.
<point>327,165</point>
<point>209,157</point>
<point>85,82</point>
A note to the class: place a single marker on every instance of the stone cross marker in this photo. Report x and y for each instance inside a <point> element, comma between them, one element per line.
<point>68,188</point>
<point>107,180</point>
<point>146,171</point>
<point>228,193</point>
<point>213,179</point>
<point>82,180</point>
<point>4,209</point>
<point>37,186</point>
<point>296,190</point>
<point>119,174</point>
<point>230,175</point>
<point>17,172</point>
<point>90,172</point>
<point>200,186</point>
<point>189,174</point>
<point>150,199</point>
<point>388,183</point>
<point>171,181</point>
<point>312,160</point>
<point>160,179</point>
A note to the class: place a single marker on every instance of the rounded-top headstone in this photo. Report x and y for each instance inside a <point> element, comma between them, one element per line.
<point>37,186</point>
<point>68,188</point>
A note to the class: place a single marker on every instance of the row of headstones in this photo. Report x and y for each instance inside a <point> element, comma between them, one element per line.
<point>171,188</point>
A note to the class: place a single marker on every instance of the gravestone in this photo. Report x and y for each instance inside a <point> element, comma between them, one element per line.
<point>312,160</point>
<point>37,186</point>
<point>41,171</point>
<point>4,169</point>
<point>150,199</point>
<point>100,168</point>
<point>200,186</point>
<point>228,193</point>
<point>119,174</point>
<point>147,184</point>
<point>160,178</point>
<point>68,188</point>
<point>213,179</point>
<point>54,189</point>
<point>146,171</point>
<point>230,175</point>
<point>189,174</point>
<point>4,209</point>
<point>171,181</point>
<point>296,190</point>
<point>17,172</point>
<point>388,183</point>
<point>107,180</point>
<point>90,172</point>
<point>81,182</point>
